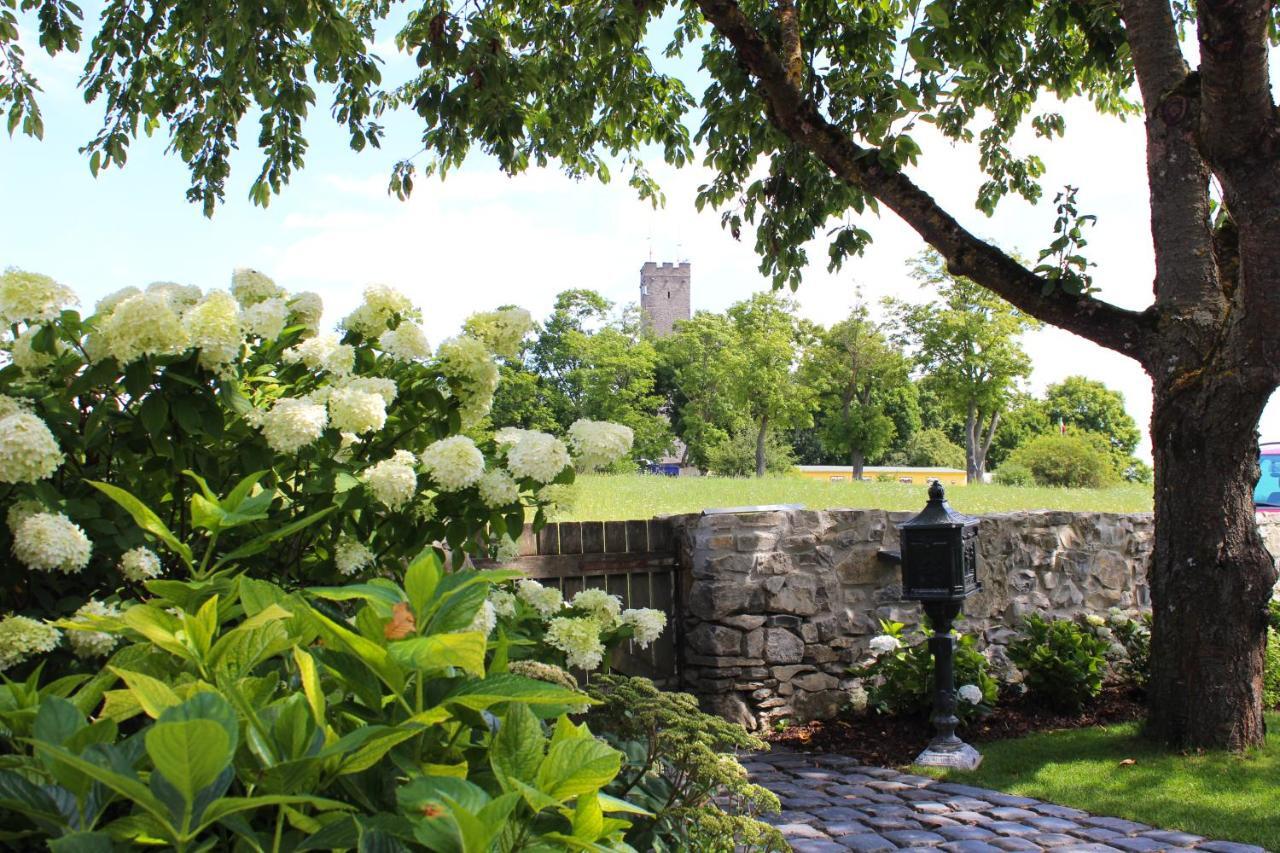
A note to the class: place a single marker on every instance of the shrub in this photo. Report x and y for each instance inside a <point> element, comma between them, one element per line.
<point>900,675</point>
<point>1271,670</point>
<point>1065,460</point>
<point>930,448</point>
<point>735,456</point>
<point>679,762</point>
<point>1134,636</point>
<point>1013,474</point>
<point>1062,662</point>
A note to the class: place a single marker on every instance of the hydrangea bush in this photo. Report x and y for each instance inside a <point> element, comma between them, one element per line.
<point>354,449</point>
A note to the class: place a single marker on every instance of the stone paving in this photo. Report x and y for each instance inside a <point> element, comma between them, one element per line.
<point>831,804</point>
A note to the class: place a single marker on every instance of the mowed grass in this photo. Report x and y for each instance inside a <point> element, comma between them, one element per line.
<point>1217,795</point>
<point>614,497</point>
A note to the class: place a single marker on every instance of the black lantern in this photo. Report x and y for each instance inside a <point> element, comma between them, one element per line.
<point>940,570</point>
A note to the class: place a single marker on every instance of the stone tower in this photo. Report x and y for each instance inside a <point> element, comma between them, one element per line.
<point>664,296</point>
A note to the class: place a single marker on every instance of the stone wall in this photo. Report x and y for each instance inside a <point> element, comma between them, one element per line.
<point>781,604</point>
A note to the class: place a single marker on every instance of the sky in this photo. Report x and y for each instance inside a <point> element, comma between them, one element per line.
<point>480,239</point>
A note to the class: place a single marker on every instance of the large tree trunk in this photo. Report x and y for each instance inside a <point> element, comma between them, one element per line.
<point>857,460</point>
<point>972,437</point>
<point>760,443</point>
<point>1211,576</point>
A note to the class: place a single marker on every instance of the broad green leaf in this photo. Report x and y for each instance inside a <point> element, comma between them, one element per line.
<point>517,749</point>
<point>383,593</point>
<point>57,720</point>
<point>225,807</point>
<point>374,656</point>
<point>238,651</point>
<point>588,817</point>
<point>610,804</point>
<point>21,796</point>
<point>152,694</point>
<point>82,842</point>
<point>578,766</point>
<point>420,580</point>
<point>479,695</point>
<point>260,544</point>
<point>465,651</point>
<point>310,679</point>
<point>119,705</point>
<point>371,752</point>
<point>207,706</point>
<point>126,786</point>
<point>189,754</point>
<point>206,514</point>
<point>236,496</point>
<point>144,518</point>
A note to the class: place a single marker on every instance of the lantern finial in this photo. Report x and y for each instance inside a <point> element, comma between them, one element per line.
<point>936,492</point>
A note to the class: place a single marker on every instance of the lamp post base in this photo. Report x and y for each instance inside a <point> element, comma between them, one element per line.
<point>958,756</point>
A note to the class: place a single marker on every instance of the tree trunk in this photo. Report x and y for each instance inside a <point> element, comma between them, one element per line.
<point>760,437</point>
<point>972,465</point>
<point>1211,576</point>
<point>857,459</point>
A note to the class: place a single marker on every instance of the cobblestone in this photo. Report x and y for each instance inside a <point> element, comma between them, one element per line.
<point>834,804</point>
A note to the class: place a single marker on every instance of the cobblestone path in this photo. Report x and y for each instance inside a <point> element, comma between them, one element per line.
<point>831,804</point>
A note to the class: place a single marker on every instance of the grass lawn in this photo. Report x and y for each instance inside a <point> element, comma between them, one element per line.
<point>612,497</point>
<point>1218,795</point>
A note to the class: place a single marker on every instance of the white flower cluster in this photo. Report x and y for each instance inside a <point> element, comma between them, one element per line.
<point>970,693</point>
<point>597,444</point>
<point>374,315</point>
<point>293,423</point>
<point>538,456</point>
<point>884,643</point>
<point>578,638</point>
<point>213,327</point>
<point>141,325</point>
<point>28,297</point>
<point>453,463</point>
<point>251,287</point>
<point>28,451</point>
<point>858,697</point>
<point>265,319</point>
<point>406,342</point>
<point>91,644</point>
<point>503,601</point>
<point>355,410</point>
<point>351,557</point>
<point>306,309</point>
<point>48,542</point>
<point>323,352</point>
<point>502,331</point>
<point>485,619</point>
<point>508,549</point>
<point>498,489</point>
<point>545,600</point>
<point>393,482</point>
<point>139,564</point>
<point>472,374</point>
<point>599,605</point>
<point>26,358</point>
<point>21,637</point>
<point>646,624</point>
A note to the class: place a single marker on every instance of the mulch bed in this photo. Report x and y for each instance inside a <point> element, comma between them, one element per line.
<point>896,741</point>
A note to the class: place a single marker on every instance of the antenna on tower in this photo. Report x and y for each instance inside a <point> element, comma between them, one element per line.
<point>680,252</point>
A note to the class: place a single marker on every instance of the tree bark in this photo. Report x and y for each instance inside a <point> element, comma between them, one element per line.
<point>972,467</point>
<point>857,461</point>
<point>760,443</point>
<point>1211,576</point>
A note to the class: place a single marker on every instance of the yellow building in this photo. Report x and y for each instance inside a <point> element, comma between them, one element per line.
<point>881,473</point>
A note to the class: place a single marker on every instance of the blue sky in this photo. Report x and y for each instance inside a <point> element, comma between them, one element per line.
<point>481,239</point>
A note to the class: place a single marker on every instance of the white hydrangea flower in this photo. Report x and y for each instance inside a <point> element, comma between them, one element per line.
<point>502,331</point>
<point>29,297</point>
<point>503,601</point>
<point>1095,620</point>
<point>266,319</point>
<point>485,620</point>
<point>884,643</point>
<point>293,423</point>
<point>406,342</point>
<point>498,489</point>
<point>28,450</point>
<point>472,374</point>
<point>538,456</point>
<point>374,315</point>
<point>12,405</point>
<point>145,324</point>
<point>597,444</point>
<point>49,541</point>
<point>393,482</point>
<point>646,624</point>
<point>546,600</point>
<point>28,359</point>
<point>92,644</point>
<point>578,638</point>
<point>251,287</point>
<point>453,463</point>
<point>21,637</point>
<point>970,693</point>
<point>108,303</point>
<point>1117,617</point>
<point>858,697</point>
<point>20,511</point>
<point>139,564</point>
<point>214,328</point>
<point>383,387</point>
<point>1117,650</point>
<point>323,352</point>
<point>600,605</point>
<point>347,447</point>
<point>181,297</point>
<point>353,410</point>
<point>306,309</point>
<point>509,436</point>
<point>508,550</point>
<point>351,557</point>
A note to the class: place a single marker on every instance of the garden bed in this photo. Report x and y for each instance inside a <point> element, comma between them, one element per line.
<point>895,741</point>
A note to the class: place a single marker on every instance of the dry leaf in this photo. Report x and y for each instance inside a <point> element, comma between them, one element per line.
<point>401,624</point>
<point>1128,762</point>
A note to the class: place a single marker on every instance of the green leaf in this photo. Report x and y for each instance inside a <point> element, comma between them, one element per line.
<point>260,544</point>
<point>189,754</point>
<point>236,496</point>
<point>465,651</point>
<point>144,518</point>
<point>482,694</point>
<point>83,842</point>
<point>310,679</point>
<point>225,807</point>
<point>421,579</point>
<point>613,804</point>
<point>384,593</point>
<point>151,693</point>
<point>57,720</point>
<point>126,786</point>
<point>372,655</point>
<point>518,748</point>
<point>578,766</point>
<point>588,817</point>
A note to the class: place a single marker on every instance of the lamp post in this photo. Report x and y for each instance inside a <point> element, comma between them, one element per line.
<point>940,570</point>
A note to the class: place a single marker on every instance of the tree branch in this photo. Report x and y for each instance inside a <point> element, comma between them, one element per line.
<point>1237,118</point>
<point>792,56</point>
<point>800,120</point>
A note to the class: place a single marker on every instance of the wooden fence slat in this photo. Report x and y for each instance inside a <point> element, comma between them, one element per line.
<point>593,537</point>
<point>549,540</point>
<point>615,537</point>
<point>570,537</point>
<point>637,536</point>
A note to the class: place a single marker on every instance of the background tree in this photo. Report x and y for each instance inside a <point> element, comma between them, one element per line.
<point>806,119</point>
<point>853,369</point>
<point>700,359</point>
<point>1091,407</point>
<point>930,448</point>
<point>967,342</point>
<point>1023,420</point>
<point>615,379</point>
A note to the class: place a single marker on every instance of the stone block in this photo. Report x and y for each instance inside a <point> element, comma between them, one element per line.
<point>787,673</point>
<point>756,540</point>
<point>745,623</point>
<point>814,681</point>
<point>782,646</point>
<point>753,645</point>
<point>717,640</point>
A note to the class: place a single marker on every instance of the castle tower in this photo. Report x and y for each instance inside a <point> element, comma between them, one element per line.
<point>664,296</point>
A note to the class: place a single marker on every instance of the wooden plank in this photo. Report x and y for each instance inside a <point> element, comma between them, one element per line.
<point>549,540</point>
<point>589,564</point>
<point>637,536</point>
<point>662,653</point>
<point>593,537</point>
<point>570,537</point>
<point>661,537</point>
<point>571,586</point>
<point>528,542</point>
<point>615,537</point>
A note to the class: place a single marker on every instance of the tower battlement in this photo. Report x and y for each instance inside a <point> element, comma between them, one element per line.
<point>665,295</point>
